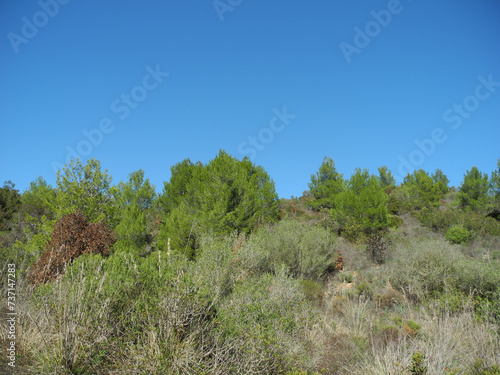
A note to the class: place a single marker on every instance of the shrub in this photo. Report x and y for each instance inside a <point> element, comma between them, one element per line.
<point>72,236</point>
<point>418,366</point>
<point>399,201</point>
<point>346,277</point>
<point>395,221</point>
<point>422,190</point>
<point>473,193</point>
<point>220,197</point>
<point>442,220</point>
<point>313,291</point>
<point>265,318</point>
<point>362,204</point>
<point>458,235</point>
<point>427,268</point>
<point>378,245</point>
<point>308,252</point>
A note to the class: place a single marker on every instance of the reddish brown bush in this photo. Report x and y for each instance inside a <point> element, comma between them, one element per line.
<point>97,239</point>
<point>339,262</point>
<point>72,236</point>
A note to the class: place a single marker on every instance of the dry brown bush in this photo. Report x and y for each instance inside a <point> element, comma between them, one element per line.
<point>72,236</point>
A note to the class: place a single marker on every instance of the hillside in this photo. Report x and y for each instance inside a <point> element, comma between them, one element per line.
<point>216,275</point>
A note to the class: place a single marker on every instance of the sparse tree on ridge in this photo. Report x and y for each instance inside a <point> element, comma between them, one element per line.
<point>133,199</point>
<point>325,185</point>
<point>84,188</point>
<point>363,204</point>
<point>495,186</point>
<point>441,180</point>
<point>473,193</point>
<point>387,180</point>
<point>220,197</point>
<point>422,190</point>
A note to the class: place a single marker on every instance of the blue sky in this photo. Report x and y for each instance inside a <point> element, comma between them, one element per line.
<point>407,84</point>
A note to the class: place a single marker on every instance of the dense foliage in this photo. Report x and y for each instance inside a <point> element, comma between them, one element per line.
<point>325,185</point>
<point>223,196</point>
<point>362,207</point>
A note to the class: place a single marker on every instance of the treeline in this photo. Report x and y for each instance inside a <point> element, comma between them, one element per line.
<point>229,195</point>
<point>366,204</point>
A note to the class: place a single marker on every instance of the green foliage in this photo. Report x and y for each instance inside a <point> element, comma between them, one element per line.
<point>83,188</point>
<point>413,325</point>
<point>35,219</point>
<point>308,252</point>
<point>386,179</point>
<point>474,222</point>
<point>459,235</point>
<point>218,198</point>
<point>494,186</point>
<point>182,228</point>
<point>399,200</point>
<point>346,277</point>
<point>478,368</point>
<point>362,204</point>
<point>422,190</point>
<point>133,200</point>
<point>37,232</point>
<point>418,366</point>
<point>394,221</point>
<point>39,199</point>
<point>364,289</point>
<point>9,204</point>
<point>441,181</point>
<point>429,267</point>
<point>265,317</point>
<point>313,291</point>
<point>325,185</point>
<point>473,193</point>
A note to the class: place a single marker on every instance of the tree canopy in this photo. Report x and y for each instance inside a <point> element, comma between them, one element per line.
<point>473,192</point>
<point>222,196</point>
<point>326,184</point>
<point>362,204</point>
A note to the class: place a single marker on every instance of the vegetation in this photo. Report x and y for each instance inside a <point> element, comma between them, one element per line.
<point>223,196</point>
<point>215,275</point>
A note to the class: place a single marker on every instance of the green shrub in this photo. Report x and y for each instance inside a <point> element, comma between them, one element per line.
<point>364,289</point>
<point>477,276</point>
<point>362,204</point>
<point>265,318</point>
<point>427,268</point>
<point>308,252</point>
<point>480,369</point>
<point>418,366</point>
<point>313,291</point>
<point>422,190</point>
<point>424,267</point>
<point>346,277</point>
<point>413,325</point>
<point>395,221</point>
<point>399,201</point>
<point>442,220</point>
<point>458,235</point>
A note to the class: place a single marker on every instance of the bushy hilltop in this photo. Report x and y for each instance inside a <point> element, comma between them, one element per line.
<point>218,275</point>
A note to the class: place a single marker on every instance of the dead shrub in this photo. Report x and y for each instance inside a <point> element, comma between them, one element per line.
<point>72,236</point>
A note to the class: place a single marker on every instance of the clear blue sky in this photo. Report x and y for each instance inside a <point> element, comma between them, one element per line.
<point>359,82</point>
